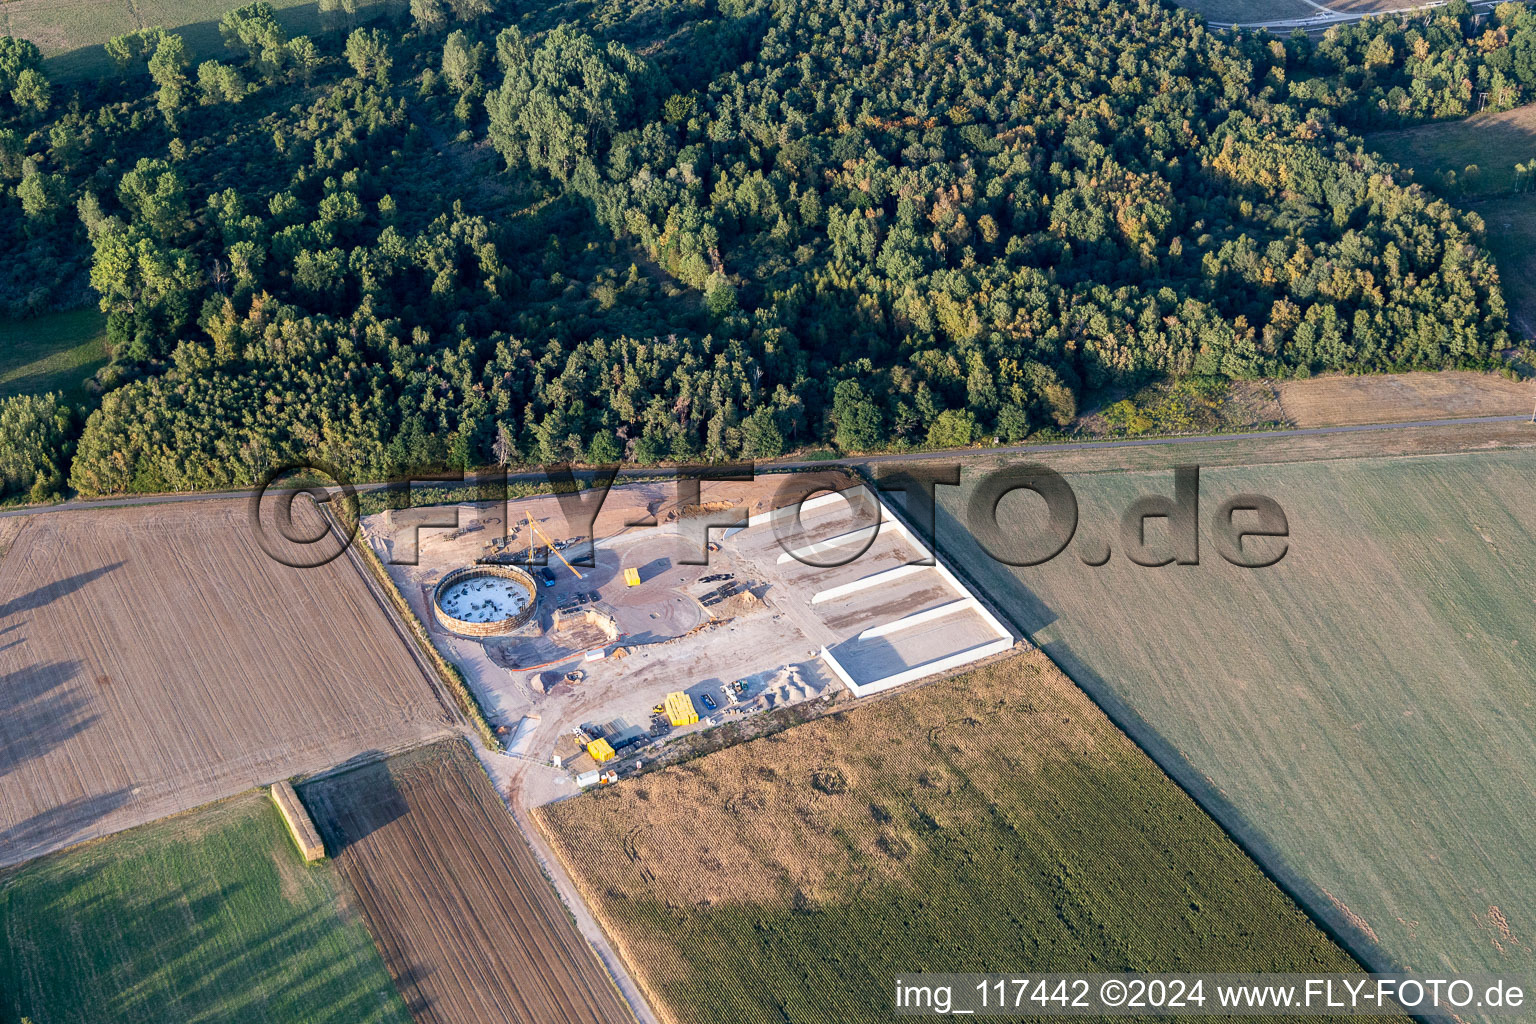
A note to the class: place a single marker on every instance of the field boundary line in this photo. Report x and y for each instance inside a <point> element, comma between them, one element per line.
<point>643,474</point>
<point>441,673</point>
<point>604,954</point>
<point>1177,768</point>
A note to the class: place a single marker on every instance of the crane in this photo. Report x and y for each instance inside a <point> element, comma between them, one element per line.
<point>532,529</point>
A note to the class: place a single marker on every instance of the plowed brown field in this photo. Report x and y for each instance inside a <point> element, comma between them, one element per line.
<point>470,928</point>
<point>155,659</point>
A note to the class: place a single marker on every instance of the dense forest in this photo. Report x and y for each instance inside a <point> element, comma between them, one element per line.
<point>499,232</point>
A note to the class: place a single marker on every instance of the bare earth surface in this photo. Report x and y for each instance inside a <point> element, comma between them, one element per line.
<point>469,926</point>
<point>1403,397</point>
<point>155,659</point>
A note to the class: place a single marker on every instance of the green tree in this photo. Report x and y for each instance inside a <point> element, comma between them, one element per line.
<point>168,70</point>
<point>461,62</point>
<point>604,449</point>
<point>220,83</point>
<point>32,92</point>
<point>856,418</point>
<point>368,53</point>
<point>255,31</point>
<point>13,152</point>
<point>133,47</point>
<point>17,56</point>
<point>338,14</point>
<point>33,433</point>
<point>760,435</point>
<point>304,57</point>
<point>431,16</point>
<point>470,10</point>
<point>953,428</point>
<point>562,101</point>
<point>42,196</point>
<point>156,195</point>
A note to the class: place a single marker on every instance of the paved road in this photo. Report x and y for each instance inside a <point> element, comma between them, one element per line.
<point>861,460</point>
<point>1326,16</point>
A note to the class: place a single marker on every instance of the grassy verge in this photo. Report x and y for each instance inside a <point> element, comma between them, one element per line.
<point>1244,12</point>
<point>996,817</point>
<point>206,917</point>
<point>55,352</point>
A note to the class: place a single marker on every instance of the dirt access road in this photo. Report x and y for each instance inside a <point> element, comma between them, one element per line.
<point>468,924</point>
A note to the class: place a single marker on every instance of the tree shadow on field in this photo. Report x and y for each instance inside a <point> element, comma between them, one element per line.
<point>50,592</point>
<point>408,981</point>
<point>57,826</point>
<point>192,944</point>
<point>86,63</point>
<point>1016,604</point>
<point>40,711</point>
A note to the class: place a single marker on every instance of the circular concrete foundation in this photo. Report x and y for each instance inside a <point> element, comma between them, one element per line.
<point>485,600</point>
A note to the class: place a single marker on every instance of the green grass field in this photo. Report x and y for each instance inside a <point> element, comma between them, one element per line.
<point>1362,714</point>
<point>70,32</point>
<point>1493,143</point>
<point>54,352</point>
<point>1512,240</point>
<point>207,917</point>
<point>992,821</point>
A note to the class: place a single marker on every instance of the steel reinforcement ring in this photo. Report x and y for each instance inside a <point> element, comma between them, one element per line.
<point>498,626</point>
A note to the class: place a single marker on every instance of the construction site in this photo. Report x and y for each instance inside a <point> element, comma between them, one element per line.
<point>658,625</point>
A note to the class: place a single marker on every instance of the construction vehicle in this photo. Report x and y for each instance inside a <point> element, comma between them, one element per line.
<point>534,531</point>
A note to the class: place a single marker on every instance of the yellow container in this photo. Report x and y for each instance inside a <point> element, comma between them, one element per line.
<point>632,577</point>
<point>680,709</point>
<point>601,750</point>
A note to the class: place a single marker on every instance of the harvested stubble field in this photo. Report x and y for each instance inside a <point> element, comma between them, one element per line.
<point>1361,713</point>
<point>155,659</point>
<point>206,918</point>
<point>1402,397</point>
<point>994,818</point>
<point>468,923</point>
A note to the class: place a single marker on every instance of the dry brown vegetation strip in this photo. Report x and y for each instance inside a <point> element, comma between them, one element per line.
<point>469,925</point>
<point>155,659</point>
<point>1403,397</point>
<point>992,821</point>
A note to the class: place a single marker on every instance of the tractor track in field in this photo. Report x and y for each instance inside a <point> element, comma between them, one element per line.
<point>468,923</point>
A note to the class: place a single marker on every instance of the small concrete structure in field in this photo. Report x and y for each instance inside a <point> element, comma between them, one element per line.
<point>883,608</point>
<point>300,826</point>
